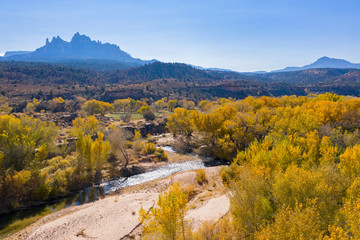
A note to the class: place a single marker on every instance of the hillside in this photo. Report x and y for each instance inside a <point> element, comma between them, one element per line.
<point>45,73</point>
<point>159,70</point>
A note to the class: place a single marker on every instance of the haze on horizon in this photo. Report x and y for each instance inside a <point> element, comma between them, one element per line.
<point>238,35</point>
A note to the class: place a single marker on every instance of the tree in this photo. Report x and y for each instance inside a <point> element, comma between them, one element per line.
<point>159,105</point>
<point>181,122</point>
<point>100,151</point>
<point>171,104</point>
<point>295,185</point>
<point>118,142</point>
<point>91,155</point>
<point>250,201</point>
<point>144,109</point>
<point>93,107</point>
<point>89,125</point>
<point>293,223</point>
<point>167,220</point>
<point>202,105</point>
<point>132,105</point>
<point>349,162</point>
<point>121,105</point>
<point>20,137</point>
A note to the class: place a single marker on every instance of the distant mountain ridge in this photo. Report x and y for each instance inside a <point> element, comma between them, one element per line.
<point>80,48</point>
<point>12,53</point>
<point>324,62</point>
<point>160,70</point>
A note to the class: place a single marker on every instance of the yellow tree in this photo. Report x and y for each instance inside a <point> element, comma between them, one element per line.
<point>100,152</point>
<point>181,122</point>
<point>89,125</point>
<point>93,107</point>
<point>31,106</point>
<point>121,105</point>
<point>293,223</point>
<point>349,162</point>
<point>171,104</point>
<point>159,105</point>
<point>167,220</point>
<point>250,201</point>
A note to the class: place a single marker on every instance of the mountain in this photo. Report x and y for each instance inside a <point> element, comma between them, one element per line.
<point>12,53</point>
<point>324,62</point>
<point>80,48</point>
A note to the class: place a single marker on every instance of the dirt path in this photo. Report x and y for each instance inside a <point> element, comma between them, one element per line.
<point>213,210</point>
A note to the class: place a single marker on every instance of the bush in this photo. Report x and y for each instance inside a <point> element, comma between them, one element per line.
<point>161,154</point>
<point>201,177</point>
<point>149,115</point>
<point>126,117</point>
<point>150,148</point>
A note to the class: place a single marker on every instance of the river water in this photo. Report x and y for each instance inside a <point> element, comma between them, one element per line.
<point>94,193</point>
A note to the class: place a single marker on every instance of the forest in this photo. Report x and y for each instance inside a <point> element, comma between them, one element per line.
<point>293,173</point>
<point>294,170</point>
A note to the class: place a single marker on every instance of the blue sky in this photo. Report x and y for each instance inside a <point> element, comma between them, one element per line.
<point>243,35</point>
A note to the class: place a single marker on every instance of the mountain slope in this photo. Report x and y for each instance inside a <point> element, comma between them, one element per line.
<point>30,73</point>
<point>324,62</point>
<point>160,70</point>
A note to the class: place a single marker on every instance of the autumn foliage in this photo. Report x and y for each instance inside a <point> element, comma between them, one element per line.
<point>295,162</point>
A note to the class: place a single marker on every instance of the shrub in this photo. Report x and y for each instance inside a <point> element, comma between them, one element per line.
<point>150,148</point>
<point>190,191</point>
<point>201,177</point>
<point>161,154</point>
<point>149,115</point>
<point>138,146</point>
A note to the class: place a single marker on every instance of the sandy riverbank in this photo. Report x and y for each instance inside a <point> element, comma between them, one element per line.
<point>116,216</point>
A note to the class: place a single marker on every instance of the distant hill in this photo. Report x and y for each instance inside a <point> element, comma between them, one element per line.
<point>160,70</point>
<point>317,75</point>
<point>324,62</point>
<point>80,49</point>
<point>30,73</point>
<point>100,66</point>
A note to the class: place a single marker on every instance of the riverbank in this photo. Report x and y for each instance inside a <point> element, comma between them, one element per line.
<point>116,216</point>
<point>177,162</point>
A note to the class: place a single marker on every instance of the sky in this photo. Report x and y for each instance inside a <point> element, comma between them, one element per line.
<point>242,35</point>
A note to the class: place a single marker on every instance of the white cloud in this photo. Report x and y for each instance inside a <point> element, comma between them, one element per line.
<point>2,54</point>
